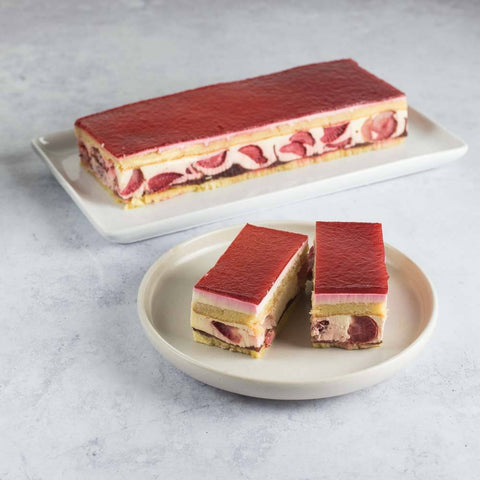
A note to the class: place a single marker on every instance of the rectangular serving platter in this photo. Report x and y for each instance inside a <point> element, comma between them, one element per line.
<point>427,146</point>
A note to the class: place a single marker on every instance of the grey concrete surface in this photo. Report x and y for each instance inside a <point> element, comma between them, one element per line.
<point>83,394</point>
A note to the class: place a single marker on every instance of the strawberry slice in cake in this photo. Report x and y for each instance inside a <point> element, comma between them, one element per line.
<point>242,300</point>
<point>216,135</point>
<point>349,296</point>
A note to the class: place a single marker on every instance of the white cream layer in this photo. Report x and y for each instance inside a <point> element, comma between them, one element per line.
<point>248,308</point>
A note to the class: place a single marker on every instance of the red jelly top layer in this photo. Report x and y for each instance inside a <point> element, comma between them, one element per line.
<point>251,264</point>
<point>350,258</point>
<point>225,108</point>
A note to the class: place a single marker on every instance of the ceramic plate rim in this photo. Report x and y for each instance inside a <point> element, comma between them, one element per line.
<point>404,354</point>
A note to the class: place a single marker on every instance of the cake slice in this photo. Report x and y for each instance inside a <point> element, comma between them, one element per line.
<point>216,135</point>
<point>241,301</point>
<point>349,296</point>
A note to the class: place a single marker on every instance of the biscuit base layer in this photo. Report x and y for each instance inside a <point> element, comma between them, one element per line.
<point>201,337</point>
<point>206,339</point>
<point>345,346</point>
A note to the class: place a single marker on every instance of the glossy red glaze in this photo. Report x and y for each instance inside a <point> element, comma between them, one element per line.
<point>251,264</point>
<point>350,258</point>
<point>226,108</point>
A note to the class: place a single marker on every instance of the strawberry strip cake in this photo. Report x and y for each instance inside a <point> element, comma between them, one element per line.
<point>216,135</point>
<point>349,297</point>
<point>242,300</point>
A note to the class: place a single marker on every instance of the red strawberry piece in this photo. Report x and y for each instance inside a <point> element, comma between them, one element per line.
<point>269,336</point>
<point>162,181</point>
<point>330,134</point>
<point>228,331</point>
<point>296,148</point>
<point>362,329</point>
<point>322,325</point>
<point>212,162</point>
<point>303,137</point>
<point>340,144</point>
<point>367,130</point>
<point>384,124</point>
<point>254,152</point>
<point>133,184</point>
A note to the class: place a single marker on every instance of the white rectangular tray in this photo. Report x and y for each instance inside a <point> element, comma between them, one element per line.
<point>427,146</point>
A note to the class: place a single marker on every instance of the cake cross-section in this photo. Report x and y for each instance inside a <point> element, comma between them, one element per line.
<point>216,135</point>
<point>350,285</point>
<point>241,302</point>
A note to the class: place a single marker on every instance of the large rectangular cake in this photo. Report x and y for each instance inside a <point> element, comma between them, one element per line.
<point>242,300</point>
<point>349,296</point>
<point>216,135</point>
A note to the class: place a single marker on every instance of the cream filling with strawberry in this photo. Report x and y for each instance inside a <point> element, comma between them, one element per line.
<point>263,154</point>
<point>237,334</point>
<point>345,329</point>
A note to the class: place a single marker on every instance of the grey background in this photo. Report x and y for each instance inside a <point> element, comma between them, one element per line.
<point>82,392</point>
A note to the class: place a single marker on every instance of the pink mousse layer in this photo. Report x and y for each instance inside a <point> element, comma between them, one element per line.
<point>334,298</point>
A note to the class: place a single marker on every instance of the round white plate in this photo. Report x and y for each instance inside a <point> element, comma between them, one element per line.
<point>291,369</point>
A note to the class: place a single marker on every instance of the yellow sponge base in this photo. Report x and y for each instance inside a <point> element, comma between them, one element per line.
<point>345,346</point>
<point>215,342</point>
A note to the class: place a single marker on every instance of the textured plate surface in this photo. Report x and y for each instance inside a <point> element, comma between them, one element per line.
<point>427,146</point>
<point>291,368</point>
